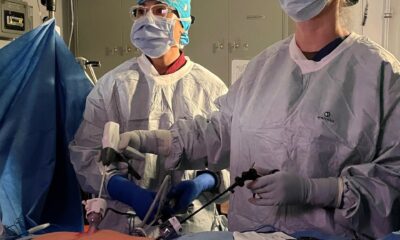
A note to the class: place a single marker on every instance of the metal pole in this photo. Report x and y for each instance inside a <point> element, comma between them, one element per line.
<point>50,7</point>
<point>387,15</point>
<point>51,14</point>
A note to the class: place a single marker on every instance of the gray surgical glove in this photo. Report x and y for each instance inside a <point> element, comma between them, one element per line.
<point>156,141</point>
<point>284,188</point>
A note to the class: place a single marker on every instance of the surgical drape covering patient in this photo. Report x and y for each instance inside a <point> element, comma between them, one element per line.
<point>42,96</point>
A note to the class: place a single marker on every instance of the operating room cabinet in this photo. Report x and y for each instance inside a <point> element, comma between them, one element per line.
<point>103,29</point>
<point>227,30</point>
<point>224,30</point>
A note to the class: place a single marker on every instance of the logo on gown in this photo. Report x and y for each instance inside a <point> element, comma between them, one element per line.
<point>327,116</point>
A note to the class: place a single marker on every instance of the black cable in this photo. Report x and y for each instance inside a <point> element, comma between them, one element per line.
<point>365,16</point>
<point>118,212</point>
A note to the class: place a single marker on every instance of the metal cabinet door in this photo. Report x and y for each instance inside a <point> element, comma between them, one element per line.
<point>255,25</point>
<point>99,32</point>
<point>129,51</point>
<point>209,36</point>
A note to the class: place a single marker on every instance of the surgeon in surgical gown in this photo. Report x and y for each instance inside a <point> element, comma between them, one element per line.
<point>147,93</point>
<point>318,114</point>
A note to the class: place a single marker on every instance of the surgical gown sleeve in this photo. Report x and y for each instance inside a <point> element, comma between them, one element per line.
<point>204,142</point>
<point>371,197</point>
<point>85,148</point>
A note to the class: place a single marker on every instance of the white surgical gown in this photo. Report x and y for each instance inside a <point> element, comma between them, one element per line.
<point>138,98</point>
<point>339,117</point>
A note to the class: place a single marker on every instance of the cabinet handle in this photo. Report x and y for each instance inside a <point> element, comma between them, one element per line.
<point>129,49</point>
<point>218,46</point>
<point>255,17</point>
<point>234,46</point>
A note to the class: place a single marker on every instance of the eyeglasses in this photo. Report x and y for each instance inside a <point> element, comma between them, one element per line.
<point>160,10</point>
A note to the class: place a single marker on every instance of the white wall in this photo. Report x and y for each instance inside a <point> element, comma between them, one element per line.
<point>394,34</point>
<point>375,23</point>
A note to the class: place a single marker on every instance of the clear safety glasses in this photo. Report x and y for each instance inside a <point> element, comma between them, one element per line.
<point>159,10</point>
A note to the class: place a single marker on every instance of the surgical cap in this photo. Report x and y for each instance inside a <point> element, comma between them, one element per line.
<point>183,8</point>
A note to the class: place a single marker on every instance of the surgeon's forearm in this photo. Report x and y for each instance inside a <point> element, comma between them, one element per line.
<point>87,170</point>
<point>371,195</point>
<point>156,141</point>
<point>325,192</point>
<point>84,155</point>
<point>200,143</point>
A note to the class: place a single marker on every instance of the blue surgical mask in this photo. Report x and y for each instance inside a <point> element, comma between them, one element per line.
<point>152,35</point>
<point>303,10</point>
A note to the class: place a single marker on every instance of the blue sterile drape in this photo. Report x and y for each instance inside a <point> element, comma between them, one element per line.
<point>42,97</point>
